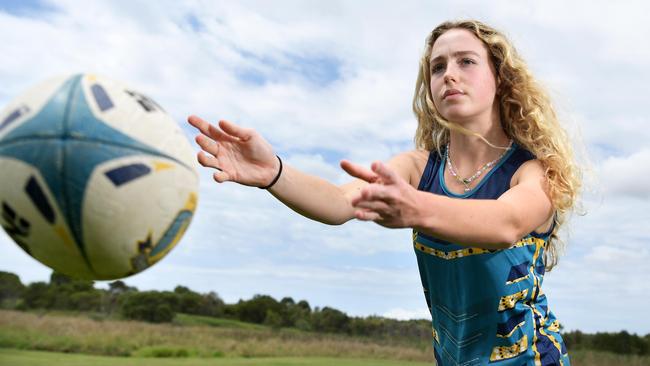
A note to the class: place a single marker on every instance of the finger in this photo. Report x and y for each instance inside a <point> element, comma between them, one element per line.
<point>221,176</point>
<point>371,192</point>
<point>220,135</point>
<point>199,123</point>
<point>232,129</point>
<point>358,171</point>
<point>375,192</point>
<point>374,206</point>
<point>207,144</point>
<point>387,174</point>
<point>208,161</point>
<point>364,215</point>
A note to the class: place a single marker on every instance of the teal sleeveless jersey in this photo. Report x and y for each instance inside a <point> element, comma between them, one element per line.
<point>487,306</point>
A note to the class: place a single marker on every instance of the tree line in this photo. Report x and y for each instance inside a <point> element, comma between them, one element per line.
<point>123,301</point>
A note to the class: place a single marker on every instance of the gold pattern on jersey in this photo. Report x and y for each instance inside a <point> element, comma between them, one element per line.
<point>505,352</point>
<point>466,252</point>
<point>509,301</point>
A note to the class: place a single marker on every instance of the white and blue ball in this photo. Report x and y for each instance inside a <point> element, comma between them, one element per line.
<point>96,179</point>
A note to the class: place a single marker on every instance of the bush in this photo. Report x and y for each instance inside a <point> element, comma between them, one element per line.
<point>37,296</point>
<point>10,287</point>
<point>256,309</point>
<point>330,320</point>
<point>150,306</point>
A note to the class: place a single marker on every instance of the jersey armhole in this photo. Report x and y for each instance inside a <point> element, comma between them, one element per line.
<point>427,174</point>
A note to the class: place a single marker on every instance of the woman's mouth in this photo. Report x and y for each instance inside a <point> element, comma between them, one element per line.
<point>452,93</point>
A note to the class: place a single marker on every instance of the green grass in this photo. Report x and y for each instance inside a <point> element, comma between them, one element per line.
<point>197,341</point>
<point>37,358</point>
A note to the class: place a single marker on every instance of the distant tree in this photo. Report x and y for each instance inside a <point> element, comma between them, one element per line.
<point>621,343</point>
<point>296,314</point>
<point>385,328</point>
<point>111,299</point>
<point>255,309</point>
<point>68,293</point>
<point>303,324</point>
<point>330,320</point>
<point>86,300</point>
<point>37,296</point>
<point>231,311</point>
<point>287,301</point>
<point>212,305</point>
<point>150,306</point>
<point>273,319</point>
<point>11,289</point>
<point>303,304</point>
<point>577,340</point>
<point>119,287</point>
<point>182,290</point>
<point>189,302</point>
<point>369,326</point>
<point>641,346</point>
<point>59,279</point>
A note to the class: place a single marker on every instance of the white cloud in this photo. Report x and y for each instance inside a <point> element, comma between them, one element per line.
<point>628,175</point>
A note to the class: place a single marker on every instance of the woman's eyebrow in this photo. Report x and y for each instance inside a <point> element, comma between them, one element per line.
<point>456,54</point>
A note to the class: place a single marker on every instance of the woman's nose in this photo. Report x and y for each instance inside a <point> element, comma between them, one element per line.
<point>451,74</point>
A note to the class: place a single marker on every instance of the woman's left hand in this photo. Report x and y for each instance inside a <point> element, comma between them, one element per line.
<point>388,199</point>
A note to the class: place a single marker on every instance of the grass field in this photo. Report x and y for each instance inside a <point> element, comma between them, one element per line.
<point>186,319</point>
<point>80,334</point>
<point>39,358</point>
<point>72,340</point>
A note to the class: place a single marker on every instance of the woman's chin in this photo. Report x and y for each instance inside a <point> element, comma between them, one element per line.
<point>454,116</point>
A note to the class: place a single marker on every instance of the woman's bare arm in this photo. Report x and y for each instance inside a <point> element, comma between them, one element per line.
<point>242,155</point>
<point>490,224</point>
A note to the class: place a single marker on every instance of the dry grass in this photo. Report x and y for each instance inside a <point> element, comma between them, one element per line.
<point>79,334</point>
<point>592,358</point>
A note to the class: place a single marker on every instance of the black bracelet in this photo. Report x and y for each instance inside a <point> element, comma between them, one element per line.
<point>276,177</point>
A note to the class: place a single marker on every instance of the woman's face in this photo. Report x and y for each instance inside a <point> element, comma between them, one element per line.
<point>463,83</point>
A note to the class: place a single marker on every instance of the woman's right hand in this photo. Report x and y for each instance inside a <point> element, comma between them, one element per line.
<point>239,154</point>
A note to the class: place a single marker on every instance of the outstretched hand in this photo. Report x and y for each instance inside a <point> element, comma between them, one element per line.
<point>239,154</point>
<point>388,199</point>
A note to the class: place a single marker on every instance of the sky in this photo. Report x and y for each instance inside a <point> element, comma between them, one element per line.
<point>327,80</point>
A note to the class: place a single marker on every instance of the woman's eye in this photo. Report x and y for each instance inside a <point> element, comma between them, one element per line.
<point>467,61</point>
<point>437,68</point>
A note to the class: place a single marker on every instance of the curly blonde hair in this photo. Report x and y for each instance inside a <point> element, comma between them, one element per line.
<point>527,117</point>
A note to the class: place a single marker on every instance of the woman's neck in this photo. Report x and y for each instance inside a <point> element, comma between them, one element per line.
<point>470,152</point>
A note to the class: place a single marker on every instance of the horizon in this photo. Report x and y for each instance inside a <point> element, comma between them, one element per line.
<point>294,299</point>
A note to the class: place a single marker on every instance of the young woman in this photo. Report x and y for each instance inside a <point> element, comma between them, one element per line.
<point>485,191</point>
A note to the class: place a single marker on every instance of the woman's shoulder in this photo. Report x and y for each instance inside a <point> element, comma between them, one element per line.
<point>525,165</point>
<point>410,164</point>
<point>530,169</point>
<point>414,155</point>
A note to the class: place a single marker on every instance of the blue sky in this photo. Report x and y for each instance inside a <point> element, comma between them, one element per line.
<point>325,80</point>
<point>26,7</point>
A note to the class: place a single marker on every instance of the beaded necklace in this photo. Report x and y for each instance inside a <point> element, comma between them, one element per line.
<point>467,181</point>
